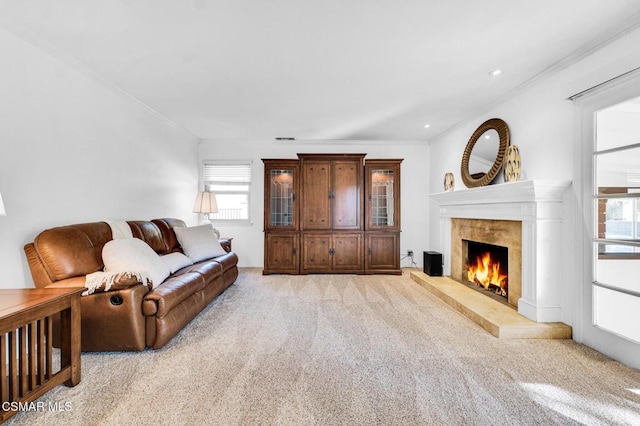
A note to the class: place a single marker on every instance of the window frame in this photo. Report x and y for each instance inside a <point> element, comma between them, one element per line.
<point>582,308</point>
<point>204,184</point>
<point>601,195</point>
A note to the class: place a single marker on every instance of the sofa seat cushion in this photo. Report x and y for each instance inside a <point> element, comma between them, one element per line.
<point>227,261</point>
<point>171,293</point>
<point>209,269</point>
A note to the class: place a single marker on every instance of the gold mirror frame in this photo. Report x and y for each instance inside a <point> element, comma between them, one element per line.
<point>485,178</point>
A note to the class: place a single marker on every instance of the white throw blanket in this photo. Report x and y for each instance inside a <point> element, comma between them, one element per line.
<point>120,229</point>
<point>106,280</point>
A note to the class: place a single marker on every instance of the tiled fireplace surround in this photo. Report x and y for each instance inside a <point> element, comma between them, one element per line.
<point>496,214</point>
<point>504,233</point>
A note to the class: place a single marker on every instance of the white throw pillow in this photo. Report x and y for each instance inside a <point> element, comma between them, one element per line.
<point>199,242</point>
<point>133,254</point>
<point>175,261</point>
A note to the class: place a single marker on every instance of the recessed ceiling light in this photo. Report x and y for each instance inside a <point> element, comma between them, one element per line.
<point>426,126</point>
<point>495,73</point>
<point>487,136</point>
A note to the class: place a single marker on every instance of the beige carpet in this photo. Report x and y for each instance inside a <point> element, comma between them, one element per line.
<point>344,349</point>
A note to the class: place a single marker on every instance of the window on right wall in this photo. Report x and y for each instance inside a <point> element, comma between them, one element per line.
<point>616,290</point>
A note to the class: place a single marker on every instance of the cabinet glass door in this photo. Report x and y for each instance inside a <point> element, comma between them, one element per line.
<point>281,198</point>
<point>383,194</point>
<point>382,198</point>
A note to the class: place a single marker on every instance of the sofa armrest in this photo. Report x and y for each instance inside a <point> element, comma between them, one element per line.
<point>113,321</point>
<point>74,282</point>
<point>227,261</point>
<point>38,273</point>
<point>225,242</point>
<point>123,283</point>
<point>114,281</point>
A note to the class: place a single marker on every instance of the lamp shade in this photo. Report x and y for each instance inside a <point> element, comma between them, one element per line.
<point>205,203</point>
<point>2,212</point>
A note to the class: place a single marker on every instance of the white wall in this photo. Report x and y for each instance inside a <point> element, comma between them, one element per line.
<point>248,241</point>
<point>542,123</point>
<point>540,118</point>
<point>74,150</point>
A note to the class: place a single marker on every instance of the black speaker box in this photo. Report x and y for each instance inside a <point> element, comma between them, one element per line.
<point>432,262</point>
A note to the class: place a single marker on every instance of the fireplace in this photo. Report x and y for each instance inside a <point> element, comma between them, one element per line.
<point>472,240</point>
<point>486,268</point>
<point>526,218</point>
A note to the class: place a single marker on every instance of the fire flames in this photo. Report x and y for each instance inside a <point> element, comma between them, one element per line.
<point>486,273</point>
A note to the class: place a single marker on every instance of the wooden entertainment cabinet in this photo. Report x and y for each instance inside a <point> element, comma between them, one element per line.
<point>332,213</point>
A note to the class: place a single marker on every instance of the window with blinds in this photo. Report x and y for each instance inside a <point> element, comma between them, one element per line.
<point>231,182</point>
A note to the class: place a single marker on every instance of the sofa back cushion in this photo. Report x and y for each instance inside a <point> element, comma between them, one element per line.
<point>150,234</point>
<point>76,250</point>
<point>72,251</point>
<point>166,226</point>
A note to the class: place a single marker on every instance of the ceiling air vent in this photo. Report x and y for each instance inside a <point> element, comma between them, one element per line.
<point>285,139</point>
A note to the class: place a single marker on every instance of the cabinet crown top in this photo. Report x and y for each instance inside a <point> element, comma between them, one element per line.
<point>335,155</point>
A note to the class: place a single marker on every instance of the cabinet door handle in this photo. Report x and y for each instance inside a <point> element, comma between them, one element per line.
<point>293,197</point>
<point>369,252</point>
<point>294,251</point>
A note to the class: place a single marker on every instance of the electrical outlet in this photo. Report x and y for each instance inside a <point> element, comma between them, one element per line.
<point>410,253</point>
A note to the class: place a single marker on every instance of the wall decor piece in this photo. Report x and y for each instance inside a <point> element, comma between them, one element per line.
<point>449,182</point>
<point>512,164</point>
<point>483,156</point>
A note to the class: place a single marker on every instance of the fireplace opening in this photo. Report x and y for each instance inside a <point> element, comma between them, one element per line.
<point>486,269</point>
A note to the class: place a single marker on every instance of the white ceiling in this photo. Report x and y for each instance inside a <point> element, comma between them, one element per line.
<point>330,69</point>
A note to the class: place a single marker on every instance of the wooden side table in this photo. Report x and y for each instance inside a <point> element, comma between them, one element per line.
<point>26,343</point>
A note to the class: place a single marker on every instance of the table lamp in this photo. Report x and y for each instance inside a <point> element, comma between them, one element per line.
<point>206,204</point>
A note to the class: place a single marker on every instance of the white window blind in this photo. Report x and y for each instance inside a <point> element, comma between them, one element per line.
<point>227,173</point>
<point>231,182</point>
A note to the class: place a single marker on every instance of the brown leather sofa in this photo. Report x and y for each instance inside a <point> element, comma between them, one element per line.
<point>136,317</point>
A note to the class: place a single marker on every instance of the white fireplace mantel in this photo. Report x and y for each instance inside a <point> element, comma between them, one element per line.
<point>538,205</point>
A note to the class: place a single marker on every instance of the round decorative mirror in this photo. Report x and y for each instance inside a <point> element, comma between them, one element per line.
<point>484,154</point>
